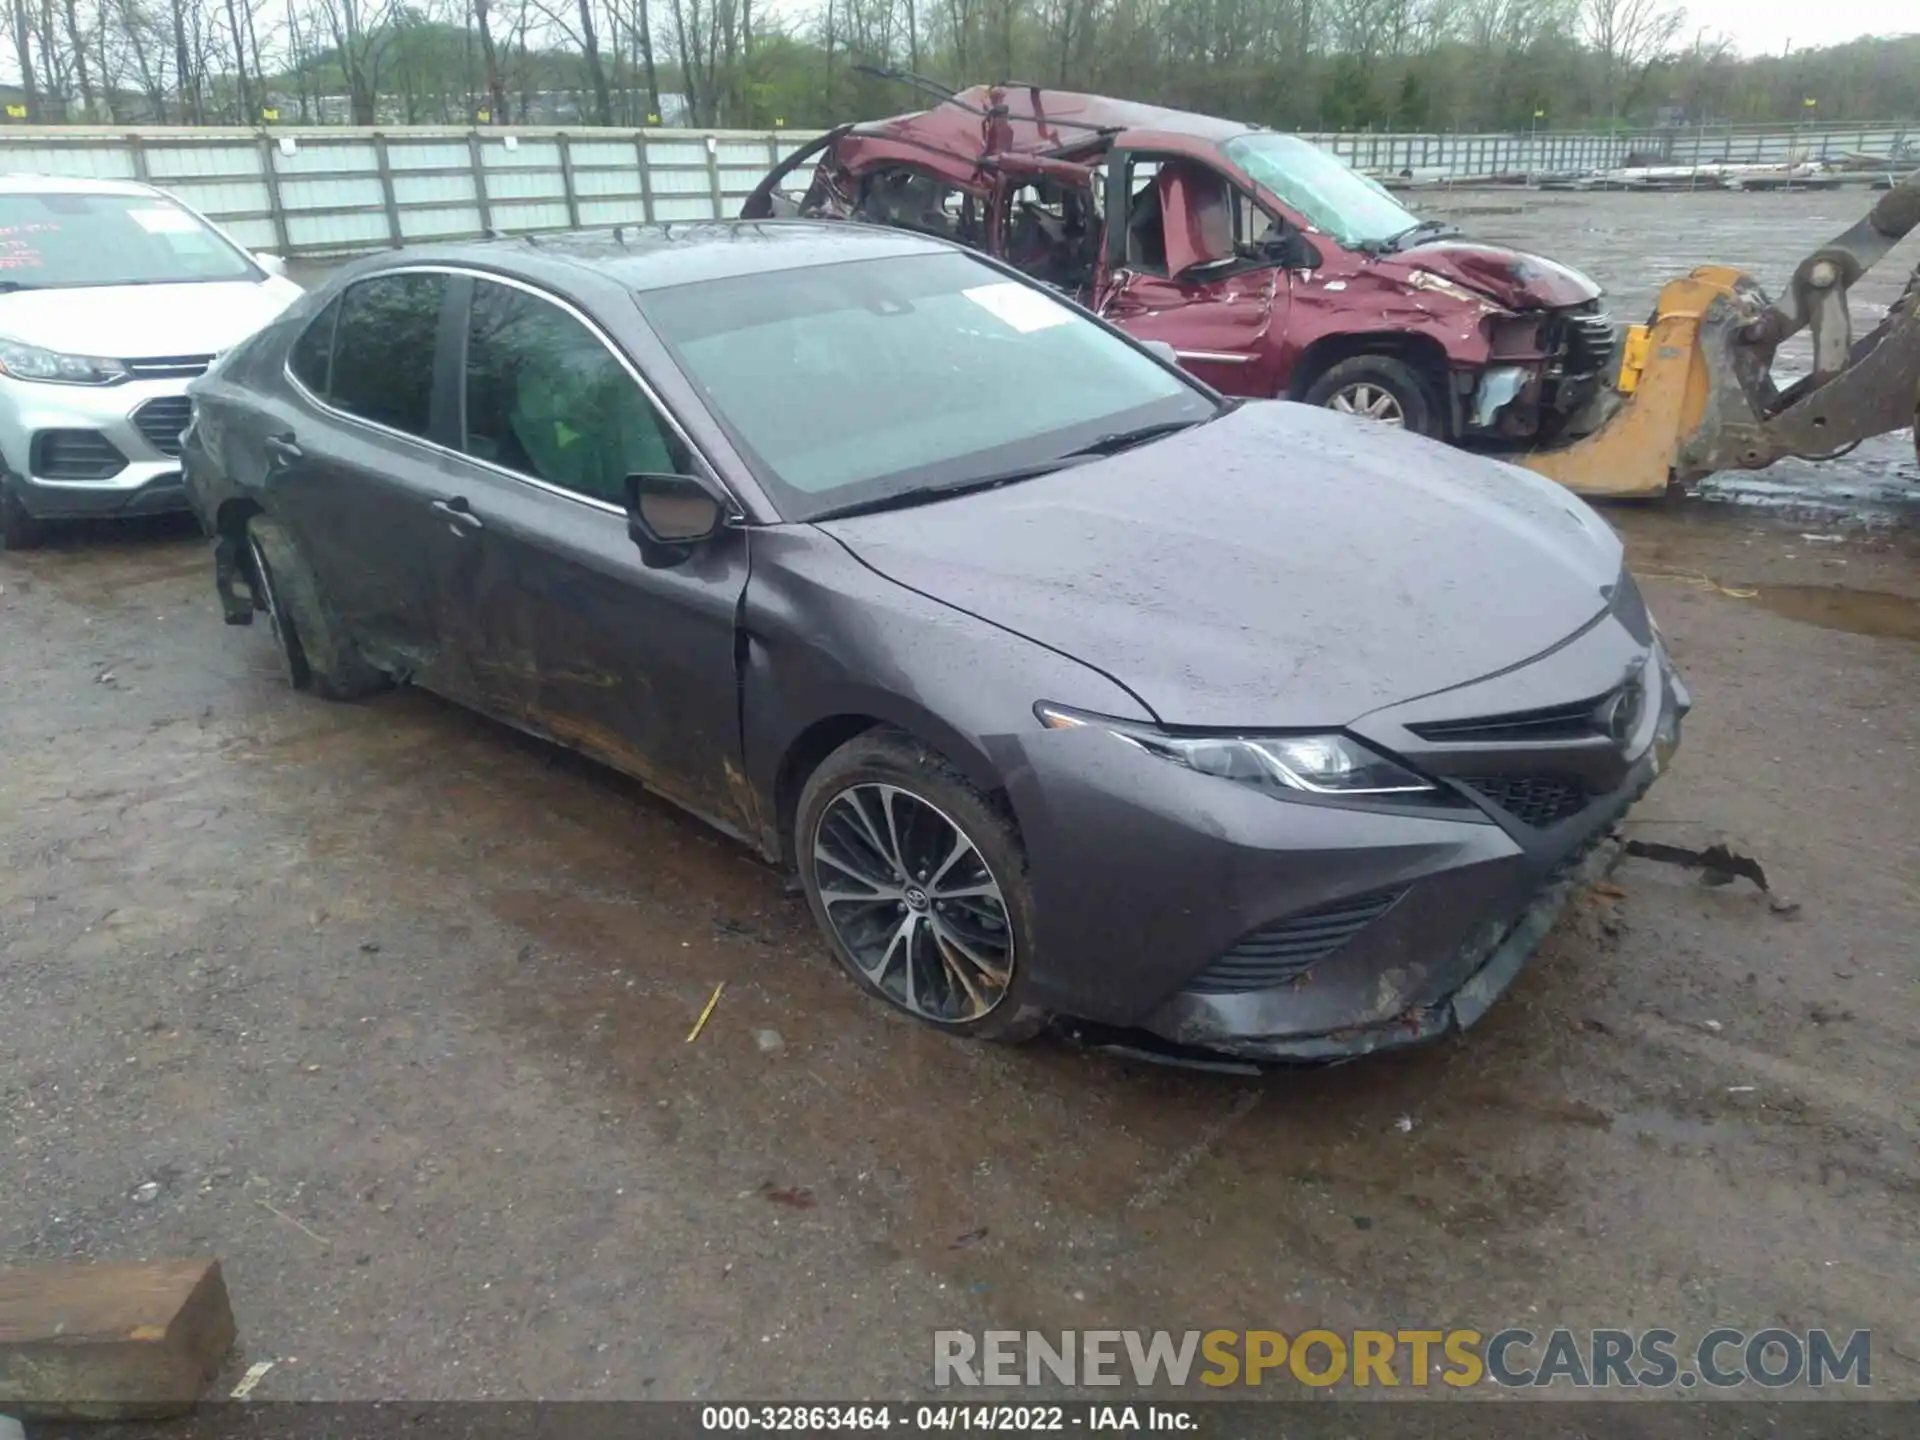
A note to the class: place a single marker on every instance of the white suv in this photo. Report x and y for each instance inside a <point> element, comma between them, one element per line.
<point>113,295</point>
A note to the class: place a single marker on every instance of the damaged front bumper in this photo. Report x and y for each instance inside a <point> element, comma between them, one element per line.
<point>1506,950</point>
<point>1248,1029</point>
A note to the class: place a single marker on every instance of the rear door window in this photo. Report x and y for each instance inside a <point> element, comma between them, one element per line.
<point>546,398</point>
<point>383,350</point>
<point>312,355</point>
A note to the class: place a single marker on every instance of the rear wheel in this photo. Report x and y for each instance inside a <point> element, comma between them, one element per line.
<point>315,652</point>
<point>919,882</point>
<point>1381,388</point>
<point>18,529</point>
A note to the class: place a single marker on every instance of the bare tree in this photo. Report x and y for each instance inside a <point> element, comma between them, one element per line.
<point>23,55</point>
<point>249,109</point>
<point>581,33</point>
<point>490,62</point>
<point>1627,36</point>
<point>361,31</point>
<point>70,14</point>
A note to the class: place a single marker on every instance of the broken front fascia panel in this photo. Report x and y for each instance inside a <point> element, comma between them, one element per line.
<point>1498,388</point>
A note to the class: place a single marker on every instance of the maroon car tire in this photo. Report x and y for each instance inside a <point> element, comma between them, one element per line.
<point>314,649</point>
<point>1378,387</point>
<point>919,883</point>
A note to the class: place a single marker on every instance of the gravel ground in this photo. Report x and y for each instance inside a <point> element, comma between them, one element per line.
<point>387,1007</point>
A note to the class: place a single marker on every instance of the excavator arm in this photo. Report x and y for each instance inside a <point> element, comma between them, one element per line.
<point>1696,392</point>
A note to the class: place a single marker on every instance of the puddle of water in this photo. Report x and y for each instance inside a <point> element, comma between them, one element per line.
<point>1877,487</point>
<point>1858,612</point>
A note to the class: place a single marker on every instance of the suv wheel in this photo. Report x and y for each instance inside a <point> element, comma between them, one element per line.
<point>1379,388</point>
<point>18,529</point>
<point>920,884</point>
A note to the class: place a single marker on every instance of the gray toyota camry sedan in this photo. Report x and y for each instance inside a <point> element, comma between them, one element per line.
<point>1068,688</point>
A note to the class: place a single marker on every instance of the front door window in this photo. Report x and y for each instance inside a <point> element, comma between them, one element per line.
<point>1197,219</point>
<point>546,398</point>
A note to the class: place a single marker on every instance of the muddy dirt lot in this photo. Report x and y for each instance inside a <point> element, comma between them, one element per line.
<point>388,1008</point>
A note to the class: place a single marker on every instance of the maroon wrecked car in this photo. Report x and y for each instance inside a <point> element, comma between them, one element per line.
<point>1270,266</point>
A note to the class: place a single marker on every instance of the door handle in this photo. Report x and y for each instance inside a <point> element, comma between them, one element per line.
<point>456,509</point>
<point>282,449</point>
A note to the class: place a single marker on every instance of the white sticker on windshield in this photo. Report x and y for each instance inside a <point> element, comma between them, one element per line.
<point>164,220</point>
<point>1025,310</point>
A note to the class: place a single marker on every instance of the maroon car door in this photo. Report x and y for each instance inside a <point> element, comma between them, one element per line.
<point>1178,270</point>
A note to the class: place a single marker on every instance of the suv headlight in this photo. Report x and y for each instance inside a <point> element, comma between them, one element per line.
<point>1329,764</point>
<point>30,362</point>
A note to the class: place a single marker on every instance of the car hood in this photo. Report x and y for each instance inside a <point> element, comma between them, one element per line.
<point>130,321</point>
<point>1281,566</point>
<point>1512,278</point>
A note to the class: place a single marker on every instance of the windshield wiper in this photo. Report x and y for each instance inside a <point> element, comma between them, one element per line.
<point>922,494</point>
<point>1093,450</point>
<point>1126,439</point>
<point>1425,230</point>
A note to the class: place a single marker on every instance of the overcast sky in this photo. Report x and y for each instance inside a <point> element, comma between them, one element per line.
<point>1760,27</point>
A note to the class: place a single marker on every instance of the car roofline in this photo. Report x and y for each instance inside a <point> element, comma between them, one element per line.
<point>567,253</point>
<point>33,182</point>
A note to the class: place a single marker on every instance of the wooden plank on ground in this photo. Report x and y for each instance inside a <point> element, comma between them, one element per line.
<point>111,1341</point>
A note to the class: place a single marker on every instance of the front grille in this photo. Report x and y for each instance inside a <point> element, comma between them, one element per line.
<point>1574,721</point>
<point>1537,800</point>
<point>1590,346</point>
<point>74,455</point>
<point>1287,949</point>
<point>1591,339</point>
<point>162,420</point>
<point>168,367</point>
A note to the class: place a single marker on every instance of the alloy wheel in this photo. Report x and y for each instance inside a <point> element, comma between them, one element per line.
<point>913,902</point>
<point>1370,402</point>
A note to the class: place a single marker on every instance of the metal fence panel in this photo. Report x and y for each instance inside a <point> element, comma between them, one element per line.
<point>341,189</point>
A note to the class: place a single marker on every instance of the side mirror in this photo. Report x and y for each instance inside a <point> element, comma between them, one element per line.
<point>669,516</point>
<point>1162,349</point>
<point>1288,249</point>
<point>273,264</point>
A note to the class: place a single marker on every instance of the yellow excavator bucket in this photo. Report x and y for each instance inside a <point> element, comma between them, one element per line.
<point>1695,391</point>
<point>1666,375</point>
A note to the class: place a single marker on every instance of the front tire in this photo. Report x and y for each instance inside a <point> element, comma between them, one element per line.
<point>1380,388</point>
<point>18,529</point>
<point>919,883</point>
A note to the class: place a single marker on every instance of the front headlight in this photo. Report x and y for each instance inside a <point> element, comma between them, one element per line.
<point>1330,764</point>
<point>30,362</point>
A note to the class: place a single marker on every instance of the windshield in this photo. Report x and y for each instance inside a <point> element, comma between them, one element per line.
<point>847,383</point>
<point>60,239</point>
<point>1323,189</point>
